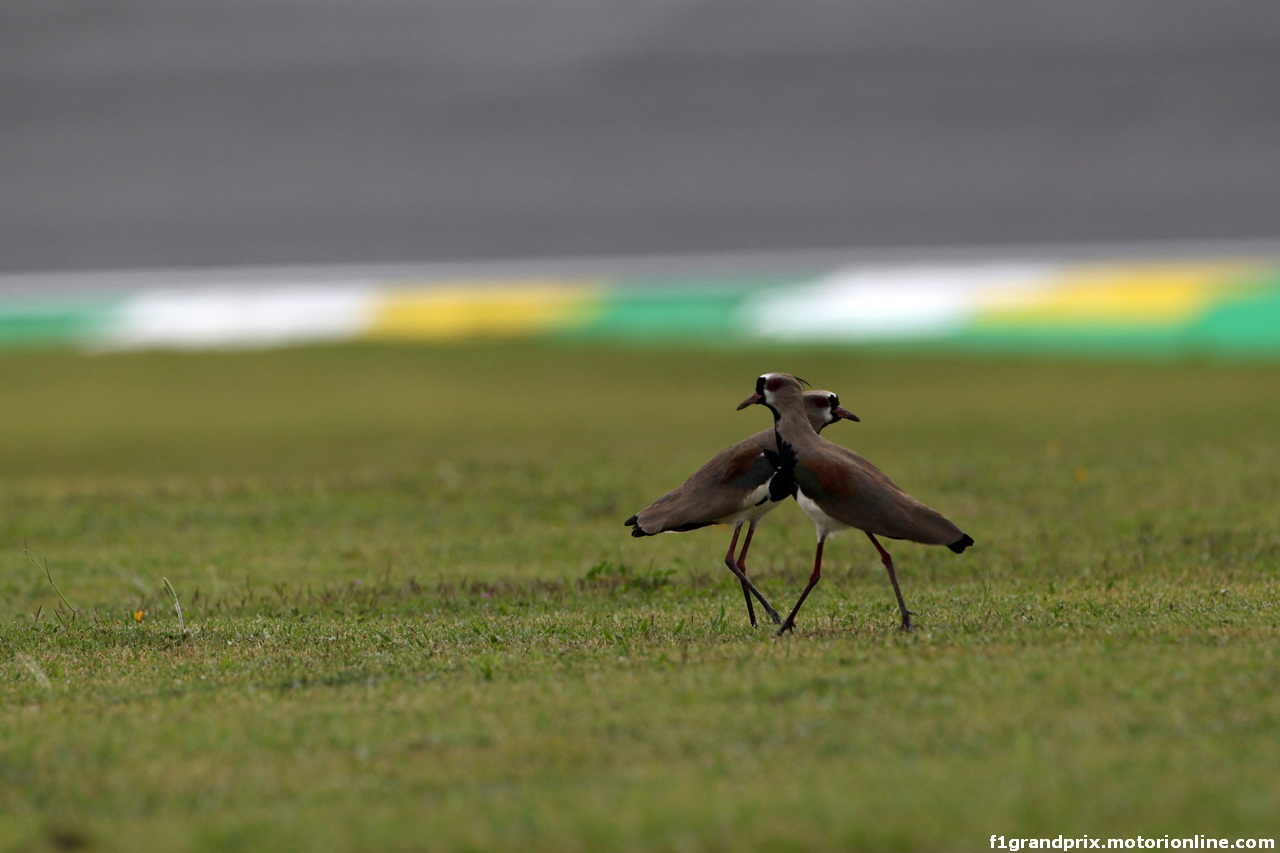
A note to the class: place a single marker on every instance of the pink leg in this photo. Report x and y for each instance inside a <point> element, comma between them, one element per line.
<point>888,564</point>
<point>790,621</point>
<point>746,544</point>
<point>747,586</point>
<point>742,567</point>
<point>735,566</point>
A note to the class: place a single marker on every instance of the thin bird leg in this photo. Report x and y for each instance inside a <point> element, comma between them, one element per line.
<point>742,567</point>
<point>729,561</point>
<point>888,564</point>
<point>745,581</point>
<point>790,622</point>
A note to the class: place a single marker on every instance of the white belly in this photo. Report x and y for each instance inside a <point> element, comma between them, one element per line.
<point>826,524</point>
<point>755,506</point>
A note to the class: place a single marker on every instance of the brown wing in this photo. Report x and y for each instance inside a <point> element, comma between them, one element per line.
<point>826,478</point>
<point>747,468</point>
<point>715,490</point>
<point>854,491</point>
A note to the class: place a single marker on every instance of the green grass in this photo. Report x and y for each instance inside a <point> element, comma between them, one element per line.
<point>413,618</point>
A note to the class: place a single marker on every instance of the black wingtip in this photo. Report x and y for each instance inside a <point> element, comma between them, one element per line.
<point>960,544</point>
<point>636,530</point>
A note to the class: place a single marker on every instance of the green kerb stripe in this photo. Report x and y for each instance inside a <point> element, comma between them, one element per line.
<point>47,321</point>
<point>1246,325</point>
<point>671,309</point>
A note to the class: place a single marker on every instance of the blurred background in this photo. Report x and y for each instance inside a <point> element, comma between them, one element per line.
<point>420,140</point>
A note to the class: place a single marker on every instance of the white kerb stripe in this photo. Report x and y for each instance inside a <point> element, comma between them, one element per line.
<point>220,317</point>
<point>883,303</point>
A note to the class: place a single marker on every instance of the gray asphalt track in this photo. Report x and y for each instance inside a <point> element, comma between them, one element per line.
<point>154,133</point>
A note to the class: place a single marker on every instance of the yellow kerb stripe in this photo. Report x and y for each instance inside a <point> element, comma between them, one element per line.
<point>1130,294</point>
<point>481,309</point>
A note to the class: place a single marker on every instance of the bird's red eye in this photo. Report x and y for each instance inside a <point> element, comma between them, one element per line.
<point>774,384</point>
<point>817,403</point>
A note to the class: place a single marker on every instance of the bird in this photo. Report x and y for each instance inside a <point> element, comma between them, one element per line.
<point>841,490</point>
<point>736,487</point>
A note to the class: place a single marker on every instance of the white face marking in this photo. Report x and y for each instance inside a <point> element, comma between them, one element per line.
<point>828,415</point>
<point>768,378</point>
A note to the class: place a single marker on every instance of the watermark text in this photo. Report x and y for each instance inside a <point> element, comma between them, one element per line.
<point>1139,842</point>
